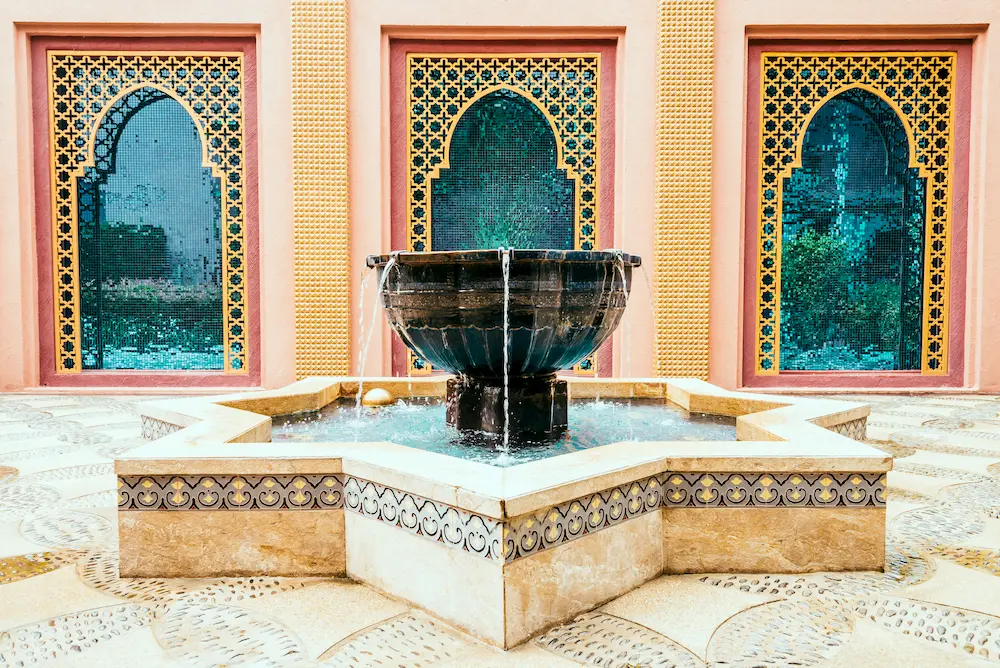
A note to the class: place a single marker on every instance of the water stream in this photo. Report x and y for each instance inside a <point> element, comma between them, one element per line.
<point>371,326</point>
<point>626,355</point>
<point>505,270</point>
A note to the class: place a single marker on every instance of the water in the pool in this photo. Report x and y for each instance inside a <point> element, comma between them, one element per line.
<point>419,422</point>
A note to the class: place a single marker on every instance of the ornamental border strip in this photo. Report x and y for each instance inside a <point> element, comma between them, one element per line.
<point>490,538</point>
<point>527,534</point>
<point>450,526</point>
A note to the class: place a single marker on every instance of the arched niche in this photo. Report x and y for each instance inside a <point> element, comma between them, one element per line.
<point>149,220</point>
<point>503,185</point>
<point>852,242</point>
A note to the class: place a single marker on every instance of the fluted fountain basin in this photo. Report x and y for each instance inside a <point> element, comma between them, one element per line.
<point>448,308</point>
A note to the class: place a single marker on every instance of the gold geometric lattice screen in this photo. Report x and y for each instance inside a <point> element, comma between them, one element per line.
<point>920,87</point>
<point>565,87</point>
<point>84,87</point>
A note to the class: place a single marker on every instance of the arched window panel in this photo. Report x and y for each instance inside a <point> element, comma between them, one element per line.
<point>148,211</point>
<point>150,242</point>
<point>853,232</point>
<point>503,186</point>
<point>502,150</point>
<point>852,241</point>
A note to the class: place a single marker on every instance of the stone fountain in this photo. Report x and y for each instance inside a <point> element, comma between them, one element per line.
<point>449,309</point>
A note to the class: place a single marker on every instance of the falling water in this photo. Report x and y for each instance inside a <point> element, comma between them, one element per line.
<point>505,269</point>
<point>371,326</point>
<point>649,291</point>
<point>365,275</point>
<point>627,357</point>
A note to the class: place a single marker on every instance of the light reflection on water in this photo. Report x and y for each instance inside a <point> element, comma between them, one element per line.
<point>420,423</point>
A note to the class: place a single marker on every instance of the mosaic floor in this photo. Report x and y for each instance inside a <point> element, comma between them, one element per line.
<point>62,604</point>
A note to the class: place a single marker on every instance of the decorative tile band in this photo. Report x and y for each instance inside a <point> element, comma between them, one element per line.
<point>439,522</point>
<point>153,429</point>
<point>231,492</point>
<point>856,429</point>
<point>574,519</point>
<point>483,536</point>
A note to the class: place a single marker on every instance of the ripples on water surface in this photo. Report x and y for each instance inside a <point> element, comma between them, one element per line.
<point>420,423</point>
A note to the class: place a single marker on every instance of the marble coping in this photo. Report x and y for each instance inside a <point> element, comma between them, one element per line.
<point>230,434</point>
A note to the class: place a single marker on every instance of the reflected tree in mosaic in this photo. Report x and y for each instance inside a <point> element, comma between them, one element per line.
<point>150,242</point>
<point>503,186</point>
<point>852,242</point>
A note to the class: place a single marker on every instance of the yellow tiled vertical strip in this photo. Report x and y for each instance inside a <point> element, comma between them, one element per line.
<point>681,245</point>
<point>320,188</point>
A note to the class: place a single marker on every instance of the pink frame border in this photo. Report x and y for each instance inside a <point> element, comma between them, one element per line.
<point>959,241</point>
<point>398,48</point>
<point>40,117</point>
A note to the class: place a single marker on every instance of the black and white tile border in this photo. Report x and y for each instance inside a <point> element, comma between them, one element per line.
<point>856,429</point>
<point>440,522</point>
<point>491,538</point>
<point>153,429</point>
<point>574,519</point>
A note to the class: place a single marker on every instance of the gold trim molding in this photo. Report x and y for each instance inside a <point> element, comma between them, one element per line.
<point>321,200</point>
<point>682,211</point>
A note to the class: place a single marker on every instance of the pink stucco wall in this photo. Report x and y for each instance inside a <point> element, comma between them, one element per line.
<point>373,22</point>
<point>855,20</point>
<point>270,24</point>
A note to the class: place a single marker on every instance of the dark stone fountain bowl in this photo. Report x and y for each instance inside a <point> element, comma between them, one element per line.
<point>448,308</point>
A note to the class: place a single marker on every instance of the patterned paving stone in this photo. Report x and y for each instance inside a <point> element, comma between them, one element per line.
<point>71,472</point>
<point>20,500</point>
<point>411,639</point>
<point>933,441</point>
<point>209,635</point>
<point>963,630</point>
<point>902,569</point>
<point>934,525</point>
<point>795,632</point>
<point>599,639</point>
<point>980,559</point>
<point>934,471</point>
<point>68,529</point>
<point>24,566</point>
<point>48,641</point>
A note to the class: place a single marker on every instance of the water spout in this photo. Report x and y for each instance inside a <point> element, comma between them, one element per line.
<point>371,326</point>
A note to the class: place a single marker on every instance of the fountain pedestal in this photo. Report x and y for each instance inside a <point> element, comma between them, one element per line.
<point>538,405</point>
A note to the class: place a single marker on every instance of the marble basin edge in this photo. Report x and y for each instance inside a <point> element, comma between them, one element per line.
<point>231,434</point>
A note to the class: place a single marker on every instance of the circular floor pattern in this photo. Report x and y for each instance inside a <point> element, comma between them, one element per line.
<point>966,631</point>
<point>933,471</point>
<point>901,570</point>
<point>67,635</point>
<point>71,472</point>
<point>19,500</point>
<point>599,639</point>
<point>936,441</point>
<point>36,452</point>
<point>209,635</point>
<point>411,639</point>
<point>934,525</point>
<point>794,632</point>
<point>68,529</point>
